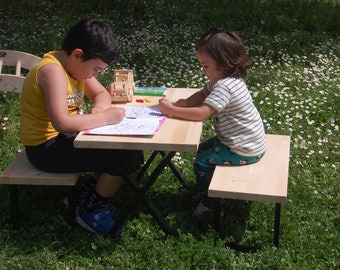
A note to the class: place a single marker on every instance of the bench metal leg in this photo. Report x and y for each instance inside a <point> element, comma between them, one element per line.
<point>14,206</point>
<point>72,206</point>
<point>277,224</point>
<point>250,248</point>
<point>217,211</point>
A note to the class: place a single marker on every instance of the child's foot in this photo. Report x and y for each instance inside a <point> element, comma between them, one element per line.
<point>99,222</point>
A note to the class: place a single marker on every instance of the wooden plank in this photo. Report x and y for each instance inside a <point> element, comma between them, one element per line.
<point>266,180</point>
<point>21,172</point>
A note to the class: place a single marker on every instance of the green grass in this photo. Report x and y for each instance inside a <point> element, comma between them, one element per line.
<point>295,85</point>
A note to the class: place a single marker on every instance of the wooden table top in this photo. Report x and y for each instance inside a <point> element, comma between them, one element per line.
<point>174,135</point>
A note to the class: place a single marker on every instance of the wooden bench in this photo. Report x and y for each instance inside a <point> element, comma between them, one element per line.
<point>266,180</point>
<point>20,171</point>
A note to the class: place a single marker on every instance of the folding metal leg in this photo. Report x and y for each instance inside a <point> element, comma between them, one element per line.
<point>140,195</point>
<point>176,171</point>
<point>171,165</point>
<point>147,164</point>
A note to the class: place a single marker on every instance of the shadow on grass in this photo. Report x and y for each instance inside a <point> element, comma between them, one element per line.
<point>45,219</point>
<point>177,206</point>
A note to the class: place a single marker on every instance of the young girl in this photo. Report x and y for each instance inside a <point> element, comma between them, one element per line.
<point>51,99</point>
<point>240,136</point>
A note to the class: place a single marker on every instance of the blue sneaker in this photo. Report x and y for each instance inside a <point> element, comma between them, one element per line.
<point>99,222</point>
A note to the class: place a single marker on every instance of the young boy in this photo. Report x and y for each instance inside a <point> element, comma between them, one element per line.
<point>52,96</point>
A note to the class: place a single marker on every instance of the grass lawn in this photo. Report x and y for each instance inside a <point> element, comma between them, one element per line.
<point>295,85</point>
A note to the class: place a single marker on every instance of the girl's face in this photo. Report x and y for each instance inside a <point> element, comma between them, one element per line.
<point>209,67</point>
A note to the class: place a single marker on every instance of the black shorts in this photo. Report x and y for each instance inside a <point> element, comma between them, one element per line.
<point>59,155</point>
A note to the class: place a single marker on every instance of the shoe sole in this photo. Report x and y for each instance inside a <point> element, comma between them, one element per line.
<point>84,225</point>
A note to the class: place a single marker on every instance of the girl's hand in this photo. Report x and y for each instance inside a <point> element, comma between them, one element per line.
<point>165,106</point>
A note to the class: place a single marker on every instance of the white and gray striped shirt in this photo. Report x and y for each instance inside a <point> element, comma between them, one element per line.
<point>237,122</point>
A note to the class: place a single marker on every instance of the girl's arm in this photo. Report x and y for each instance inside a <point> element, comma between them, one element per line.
<point>51,79</point>
<point>194,100</point>
<point>197,113</point>
<point>191,108</point>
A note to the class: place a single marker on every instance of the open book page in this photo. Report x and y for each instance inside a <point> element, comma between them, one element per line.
<point>138,121</point>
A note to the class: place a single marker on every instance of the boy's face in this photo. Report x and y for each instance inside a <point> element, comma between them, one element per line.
<point>83,70</point>
<point>209,67</point>
<point>88,69</point>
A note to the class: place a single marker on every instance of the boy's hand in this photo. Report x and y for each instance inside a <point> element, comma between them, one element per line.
<point>96,110</point>
<point>114,115</point>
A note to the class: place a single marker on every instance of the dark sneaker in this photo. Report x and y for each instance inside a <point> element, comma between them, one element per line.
<point>99,222</point>
<point>78,200</point>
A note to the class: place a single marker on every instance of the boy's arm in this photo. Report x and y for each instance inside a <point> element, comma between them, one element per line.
<point>98,94</point>
<point>52,80</point>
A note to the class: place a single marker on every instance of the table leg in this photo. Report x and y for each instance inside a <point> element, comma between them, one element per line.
<point>147,164</point>
<point>176,172</point>
<point>140,194</point>
<point>171,165</point>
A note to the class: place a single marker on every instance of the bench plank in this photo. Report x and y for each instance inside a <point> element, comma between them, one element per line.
<point>266,180</point>
<point>21,172</point>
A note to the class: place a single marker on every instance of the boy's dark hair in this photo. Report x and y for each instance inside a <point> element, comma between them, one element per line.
<point>95,38</point>
<point>228,50</point>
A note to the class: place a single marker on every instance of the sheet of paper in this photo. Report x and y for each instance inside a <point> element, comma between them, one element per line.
<point>138,121</point>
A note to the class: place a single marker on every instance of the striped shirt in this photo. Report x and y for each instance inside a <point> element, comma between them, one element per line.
<point>237,122</point>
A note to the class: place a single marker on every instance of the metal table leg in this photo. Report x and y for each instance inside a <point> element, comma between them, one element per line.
<point>140,195</point>
<point>176,171</point>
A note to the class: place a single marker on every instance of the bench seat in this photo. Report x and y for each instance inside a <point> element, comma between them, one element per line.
<point>21,172</point>
<point>266,180</point>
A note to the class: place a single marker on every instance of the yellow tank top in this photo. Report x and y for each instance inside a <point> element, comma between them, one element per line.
<point>35,124</point>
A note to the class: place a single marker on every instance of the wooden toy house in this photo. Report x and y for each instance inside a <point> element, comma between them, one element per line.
<point>123,87</point>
